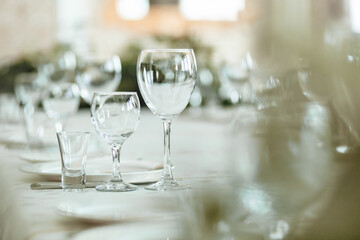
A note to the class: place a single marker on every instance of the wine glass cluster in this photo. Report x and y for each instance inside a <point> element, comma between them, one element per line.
<point>166,79</point>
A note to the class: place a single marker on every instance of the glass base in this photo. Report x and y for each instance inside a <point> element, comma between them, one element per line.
<point>116,187</point>
<point>166,185</point>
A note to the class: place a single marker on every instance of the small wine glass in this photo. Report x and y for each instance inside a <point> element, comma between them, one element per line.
<point>96,74</point>
<point>61,100</point>
<point>166,78</point>
<point>115,117</point>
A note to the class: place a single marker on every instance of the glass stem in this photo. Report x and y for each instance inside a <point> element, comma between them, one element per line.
<point>116,175</point>
<point>167,173</point>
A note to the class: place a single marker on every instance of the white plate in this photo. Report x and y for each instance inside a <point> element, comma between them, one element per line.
<point>100,169</point>
<point>18,139</point>
<point>52,154</point>
<point>132,231</point>
<point>12,138</point>
<point>41,155</point>
<point>109,212</point>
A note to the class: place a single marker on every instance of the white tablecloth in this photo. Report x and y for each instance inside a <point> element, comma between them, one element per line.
<point>198,152</point>
<point>294,151</point>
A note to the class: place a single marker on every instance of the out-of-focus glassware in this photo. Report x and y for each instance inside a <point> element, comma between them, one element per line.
<point>166,78</point>
<point>311,83</point>
<point>95,74</point>
<point>28,88</point>
<point>318,85</point>
<point>115,117</point>
<point>73,152</point>
<point>9,108</point>
<point>205,86</point>
<point>283,163</point>
<point>35,124</point>
<point>61,68</point>
<point>237,75</point>
<point>267,88</point>
<point>60,101</point>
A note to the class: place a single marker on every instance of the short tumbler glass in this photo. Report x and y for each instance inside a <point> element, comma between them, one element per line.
<point>73,151</point>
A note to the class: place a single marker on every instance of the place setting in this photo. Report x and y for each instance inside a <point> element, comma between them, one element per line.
<point>115,116</point>
<point>179,119</point>
<point>81,170</point>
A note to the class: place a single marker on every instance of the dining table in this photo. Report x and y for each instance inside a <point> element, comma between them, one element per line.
<point>197,152</point>
<point>203,149</point>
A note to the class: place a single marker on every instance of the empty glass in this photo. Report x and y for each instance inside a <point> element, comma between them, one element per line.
<point>61,68</point>
<point>237,74</point>
<point>282,166</point>
<point>73,151</point>
<point>166,78</point>
<point>9,108</point>
<point>268,87</point>
<point>28,88</point>
<point>98,75</point>
<point>35,122</point>
<point>60,101</point>
<point>115,117</point>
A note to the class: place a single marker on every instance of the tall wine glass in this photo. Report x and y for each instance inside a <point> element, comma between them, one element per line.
<point>97,74</point>
<point>166,78</point>
<point>115,117</point>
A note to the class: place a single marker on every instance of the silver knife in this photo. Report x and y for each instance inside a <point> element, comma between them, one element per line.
<point>57,185</point>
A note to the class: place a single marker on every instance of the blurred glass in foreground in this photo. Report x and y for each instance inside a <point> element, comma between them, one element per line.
<point>283,165</point>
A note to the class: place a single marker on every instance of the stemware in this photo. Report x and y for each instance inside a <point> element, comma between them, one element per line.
<point>61,100</point>
<point>98,74</point>
<point>28,88</point>
<point>61,68</point>
<point>277,184</point>
<point>267,87</point>
<point>237,75</point>
<point>312,83</point>
<point>115,117</point>
<point>166,78</point>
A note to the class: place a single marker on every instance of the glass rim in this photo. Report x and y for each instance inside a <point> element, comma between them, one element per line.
<point>73,132</point>
<point>167,50</point>
<point>115,93</point>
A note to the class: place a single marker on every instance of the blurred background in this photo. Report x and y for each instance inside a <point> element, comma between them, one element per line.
<point>34,31</point>
<point>230,37</point>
